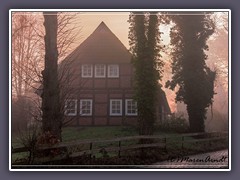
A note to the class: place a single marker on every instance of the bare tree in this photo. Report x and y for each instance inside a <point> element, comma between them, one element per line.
<point>51,119</point>
<point>218,48</point>
<point>218,60</point>
<point>28,47</point>
<point>26,61</point>
<point>58,37</point>
<point>69,31</point>
<point>28,55</point>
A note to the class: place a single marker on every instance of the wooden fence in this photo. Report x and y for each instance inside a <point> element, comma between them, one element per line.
<point>119,145</point>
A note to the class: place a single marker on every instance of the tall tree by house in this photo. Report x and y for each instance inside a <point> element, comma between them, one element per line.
<point>144,38</point>
<point>194,79</point>
<point>51,118</point>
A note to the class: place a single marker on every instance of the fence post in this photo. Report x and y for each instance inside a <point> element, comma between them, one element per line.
<point>119,149</point>
<point>165,141</point>
<point>91,145</point>
<point>182,143</point>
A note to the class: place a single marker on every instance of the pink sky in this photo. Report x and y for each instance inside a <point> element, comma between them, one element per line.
<point>116,21</point>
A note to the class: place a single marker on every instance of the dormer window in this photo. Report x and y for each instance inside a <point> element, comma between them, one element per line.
<point>87,70</point>
<point>100,71</point>
<point>113,71</point>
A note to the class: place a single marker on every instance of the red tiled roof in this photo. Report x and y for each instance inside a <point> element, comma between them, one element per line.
<point>101,46</point>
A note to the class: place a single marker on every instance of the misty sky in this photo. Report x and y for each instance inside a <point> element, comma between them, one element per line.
<point>116,21</point>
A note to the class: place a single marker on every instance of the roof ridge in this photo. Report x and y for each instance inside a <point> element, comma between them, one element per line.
<point>94,34</point>
<point>102,26</point>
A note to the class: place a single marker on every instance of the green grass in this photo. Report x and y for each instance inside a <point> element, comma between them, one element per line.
<point>105,132</point>
<point>81,133</point>
<point>19,156</point>
<point>109,132</point>
<point>70,134</point>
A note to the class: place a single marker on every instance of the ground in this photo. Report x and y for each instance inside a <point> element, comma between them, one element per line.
<point>217,159</point>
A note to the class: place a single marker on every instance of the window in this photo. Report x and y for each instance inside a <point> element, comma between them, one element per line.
<point>86,107</point>
<point>87,70</point>
<point>100,70</point>
<point>70,108</point>
<point>131,107</point>
<point>113,71</point>
<point>115,107</point>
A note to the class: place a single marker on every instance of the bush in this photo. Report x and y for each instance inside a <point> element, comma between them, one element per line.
<point>28,138</point>
<point>175,124</point>
<point>48,139</point>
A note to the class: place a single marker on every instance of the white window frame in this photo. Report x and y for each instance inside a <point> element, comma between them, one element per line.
<point>100,76</point>
<point>83,68</point>
<point>126,108</point>
<point>109,72</point>
<point>115,114</point>
<point>75,108</point>
<point>81,104</point>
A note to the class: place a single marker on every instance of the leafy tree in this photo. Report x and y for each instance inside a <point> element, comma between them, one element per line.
<point>144,38</point>
<point>194,79</point>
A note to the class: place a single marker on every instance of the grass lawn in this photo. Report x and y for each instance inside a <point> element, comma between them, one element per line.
<point>81,133</point>
<point>110,132</point>
<point>107,132</point>
<point>102,132</point>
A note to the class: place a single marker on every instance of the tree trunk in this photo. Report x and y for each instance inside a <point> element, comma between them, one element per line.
<point>196,119</point>
<point>51,120</point>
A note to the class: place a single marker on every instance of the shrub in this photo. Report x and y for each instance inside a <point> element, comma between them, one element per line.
<point>28,138</point>
<point>175,124</point>
<point>48,139</point>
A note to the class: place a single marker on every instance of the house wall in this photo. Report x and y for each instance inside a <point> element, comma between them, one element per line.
<point>101,47</point>
<point>101,90</point>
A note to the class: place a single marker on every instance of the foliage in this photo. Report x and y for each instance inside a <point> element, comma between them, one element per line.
<point>49,139</point>
<point>104,153</point>
<point>174,124</point>
<point>32,138</point>
<point>195,81</point>
<point>144,45</point>
<point>28,138</point>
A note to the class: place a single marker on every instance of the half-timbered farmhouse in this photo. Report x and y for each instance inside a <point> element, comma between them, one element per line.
<point>101,88</point>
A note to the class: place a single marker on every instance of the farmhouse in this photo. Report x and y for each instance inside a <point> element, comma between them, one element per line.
<point>98,83</point>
